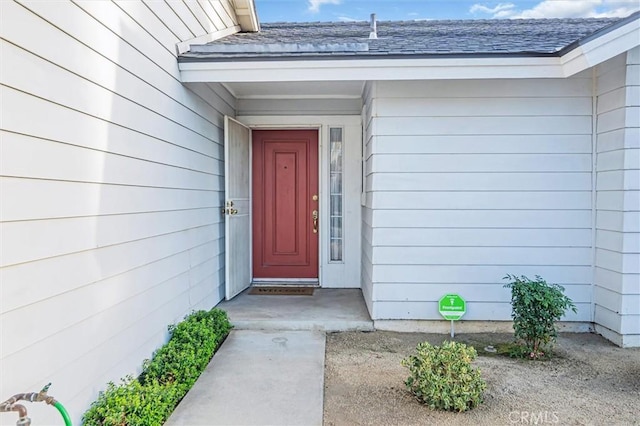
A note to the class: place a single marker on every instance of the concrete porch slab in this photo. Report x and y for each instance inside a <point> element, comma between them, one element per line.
<point>326,310</point>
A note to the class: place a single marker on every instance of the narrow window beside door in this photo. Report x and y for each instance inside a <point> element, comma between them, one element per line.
<point>335,193</point>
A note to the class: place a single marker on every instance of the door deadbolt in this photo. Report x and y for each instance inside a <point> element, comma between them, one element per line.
<point>314,216</point>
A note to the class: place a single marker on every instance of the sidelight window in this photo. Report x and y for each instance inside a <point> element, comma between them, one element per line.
<point>336,191</point>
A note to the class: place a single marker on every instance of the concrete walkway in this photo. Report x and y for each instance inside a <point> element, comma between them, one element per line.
<point>259,378</point>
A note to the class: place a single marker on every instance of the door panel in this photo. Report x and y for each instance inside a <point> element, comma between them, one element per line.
<point>237,224</point>
<point>285,180</point>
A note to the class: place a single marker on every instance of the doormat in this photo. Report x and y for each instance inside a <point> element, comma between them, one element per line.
<point>281,291</point>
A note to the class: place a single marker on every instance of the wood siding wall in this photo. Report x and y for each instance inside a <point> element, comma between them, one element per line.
<point>470,180</point>
<point>112,183</point>
<point>617,276</point>
<point>290,107</point>
<point>366,274</point>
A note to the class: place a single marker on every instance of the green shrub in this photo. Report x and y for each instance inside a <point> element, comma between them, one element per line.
<point>166,378</point>
<point>442,376</point>
<point>536,306</point>
<point>189,349</point>
<point>132,403</point>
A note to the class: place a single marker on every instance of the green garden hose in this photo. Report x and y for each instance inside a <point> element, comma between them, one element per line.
<point>63,413</point>
<point>11,405</point>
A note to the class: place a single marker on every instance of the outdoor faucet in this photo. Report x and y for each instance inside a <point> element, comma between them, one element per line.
<point>23,419</point>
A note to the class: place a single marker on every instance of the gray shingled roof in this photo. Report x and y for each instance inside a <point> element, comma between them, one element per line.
<point>309,40</point>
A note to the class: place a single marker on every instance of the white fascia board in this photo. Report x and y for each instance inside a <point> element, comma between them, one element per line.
<point>206,38</point>
<point>247,15</point>
<point>371,69</point>
<point>603,48</point>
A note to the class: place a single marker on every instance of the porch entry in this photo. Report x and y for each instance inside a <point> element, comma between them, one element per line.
<point>271,218</point>
<point>285,206</point>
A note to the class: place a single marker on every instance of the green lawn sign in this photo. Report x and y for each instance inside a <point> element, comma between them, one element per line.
<point>452,307</point>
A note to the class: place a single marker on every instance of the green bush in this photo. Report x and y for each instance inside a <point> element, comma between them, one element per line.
<point>189,349</point>
<point>166,378</point>
<point>442,376</point>
<point>536,306</point>
<point>132,403</point>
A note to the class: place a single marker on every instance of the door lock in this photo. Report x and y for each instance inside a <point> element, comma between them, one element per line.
<point>314,215</point>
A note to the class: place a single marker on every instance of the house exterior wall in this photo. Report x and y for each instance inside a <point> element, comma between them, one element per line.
<point>288,107</point>
<point>469,180</point>
<point>617,261</point>
<point>112,183</point>
<point>366,276</point>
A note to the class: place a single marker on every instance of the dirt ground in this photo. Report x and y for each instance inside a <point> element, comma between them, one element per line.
<point>589,382</point>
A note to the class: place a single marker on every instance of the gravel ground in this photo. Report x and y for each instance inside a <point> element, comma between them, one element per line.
<point>588,382</point>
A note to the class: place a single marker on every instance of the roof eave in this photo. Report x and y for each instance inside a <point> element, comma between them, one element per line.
<point>357,69</point>
<point>601,46</point>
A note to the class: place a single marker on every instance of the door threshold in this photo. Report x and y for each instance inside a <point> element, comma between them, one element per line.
<point>285,282</point>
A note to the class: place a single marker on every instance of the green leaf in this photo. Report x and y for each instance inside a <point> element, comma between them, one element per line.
<point>442,376</point>
<point>536,307</point>
<point>167,376</point>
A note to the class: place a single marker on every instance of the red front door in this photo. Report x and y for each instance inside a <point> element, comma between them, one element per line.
<point>285,203</point>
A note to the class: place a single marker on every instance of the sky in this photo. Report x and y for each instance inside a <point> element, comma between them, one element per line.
<point>395,10</point>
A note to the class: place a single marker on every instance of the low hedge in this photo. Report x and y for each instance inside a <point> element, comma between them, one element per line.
<point>166,378</point>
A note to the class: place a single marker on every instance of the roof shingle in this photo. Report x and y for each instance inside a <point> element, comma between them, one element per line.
<point>537,37</point>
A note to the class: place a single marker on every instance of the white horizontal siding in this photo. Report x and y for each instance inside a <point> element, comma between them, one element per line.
<point>616,281</point>
<point>168,18</point>
<point>299,106</point>
<point>102,134</point>
<point>210,22</point>
<point>495,181</point>
<point>368,140</point>
<point>477,237</point>
<point>617,260</point>
<point>486,293</point>
<point>538,256</point>
<point>576,86</point>
<point>112,181</point>
<point>97,101</point>
<point>490,301</point>
<point>613,240</point>
<point>500,219</point>
<point>519,125</point>
<point>467,200</point>
<point>90,165</point>
<point>181,9</point>
<point>70,235</point>
<point>476,311</point>
<point>471,180</point>
<point>484,107</point>
<point>484,144</point>
<point>60,199</point>
<point>144,15</point>
<point>474,163</point>
<point>109,355</point>
<point>473,274</point>
<point>612,140</point>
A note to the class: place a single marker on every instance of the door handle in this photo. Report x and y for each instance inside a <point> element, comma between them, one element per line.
<point>314,215</point>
